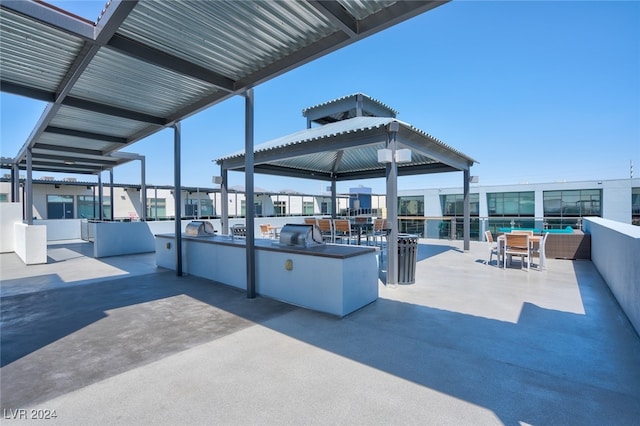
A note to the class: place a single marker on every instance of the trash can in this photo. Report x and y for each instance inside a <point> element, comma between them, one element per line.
<point>407,257</point>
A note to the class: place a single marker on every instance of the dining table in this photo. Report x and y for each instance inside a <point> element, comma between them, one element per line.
<point>359,227</point>
<point>534,240</point>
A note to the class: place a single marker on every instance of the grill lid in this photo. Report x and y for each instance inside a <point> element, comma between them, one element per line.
<point>199,228</point>
<point>300,235</point>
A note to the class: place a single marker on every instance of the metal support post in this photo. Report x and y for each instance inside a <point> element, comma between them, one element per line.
<point>249,192</point>
<point>177,133</point>
<point>392,206</point>
<point>29,189</point>
<point>466,221</point>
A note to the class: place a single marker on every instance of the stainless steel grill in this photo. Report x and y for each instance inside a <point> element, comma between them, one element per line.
<point>300,235</point>
<point>199,228</point>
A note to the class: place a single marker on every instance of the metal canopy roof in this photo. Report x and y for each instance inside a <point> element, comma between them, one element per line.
<point>148,64</point>
<point>348,150</point>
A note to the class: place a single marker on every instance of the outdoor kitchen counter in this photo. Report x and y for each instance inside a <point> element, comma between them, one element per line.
<point>338,251</point>
<point>331,278</point>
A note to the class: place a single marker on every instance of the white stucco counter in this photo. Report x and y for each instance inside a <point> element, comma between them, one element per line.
<point>331,278</point>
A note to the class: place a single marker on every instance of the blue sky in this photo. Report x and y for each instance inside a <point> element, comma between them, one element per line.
<point>534,91</point>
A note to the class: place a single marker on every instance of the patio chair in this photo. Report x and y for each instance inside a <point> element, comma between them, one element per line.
<point>379,231</point>
<point>493,247</point>
<point>517,244</point>
<point>540,251</point>
<point>310,221</point>
<point>267,231</point>
<point>326,229</point>
<point>342,230</point>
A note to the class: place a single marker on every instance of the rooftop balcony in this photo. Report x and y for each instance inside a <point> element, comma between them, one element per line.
<point>118,340</point>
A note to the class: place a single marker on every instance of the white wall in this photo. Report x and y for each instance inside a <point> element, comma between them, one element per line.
<point>615,252</point>
<point>61,229</point>
<point>10,214</point>
<point>31,243</point>
<point>118,238</point>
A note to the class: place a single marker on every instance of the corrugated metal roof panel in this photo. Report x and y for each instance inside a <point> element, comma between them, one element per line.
<point>382,104</point>
<point>233,38</point>
<point>83,120</point>
<point>360,9</point>
<point>70,142</point>
<point>307,135</point>
<point>119,80</point>
<point>318,162</point>
<point>33,54</point>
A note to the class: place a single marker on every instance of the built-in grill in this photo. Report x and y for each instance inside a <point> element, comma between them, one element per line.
<point>199,228</point>
<point>300,235</point>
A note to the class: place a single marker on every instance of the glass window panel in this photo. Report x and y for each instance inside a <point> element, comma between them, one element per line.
<point>307,207</point>
<point>453,205</point>
<point>511,204</point>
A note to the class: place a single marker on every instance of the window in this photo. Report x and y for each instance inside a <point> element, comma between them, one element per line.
<point>280,208</point>
<point>206,207</point>
<point>565,208</point>
<point>572,203</point>
<point>411,206</point>
<point>106,207</point>
<point>514,204</point>
<point>87,207</point>
<point>4,198</point>
<point>59,207</point>
<point>453,204</point>
<point>191,208</point>
<point>635,206</point>
<point>156,208</point>
<point>307,207</point>
<point>325,207</point>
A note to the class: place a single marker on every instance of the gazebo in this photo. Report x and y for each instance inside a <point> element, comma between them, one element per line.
<point>356,137</point>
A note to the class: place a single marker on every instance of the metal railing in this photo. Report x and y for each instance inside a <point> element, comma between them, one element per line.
<point>452,228</point>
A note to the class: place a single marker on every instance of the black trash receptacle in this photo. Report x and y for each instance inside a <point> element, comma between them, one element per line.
<point>407,258</point>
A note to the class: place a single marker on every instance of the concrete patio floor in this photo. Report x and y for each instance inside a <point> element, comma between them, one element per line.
<point>120,341</point>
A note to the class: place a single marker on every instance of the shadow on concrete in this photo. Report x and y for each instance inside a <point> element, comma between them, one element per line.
<point>548,368</point>
<point>541,370</point>
<point>59,340</point>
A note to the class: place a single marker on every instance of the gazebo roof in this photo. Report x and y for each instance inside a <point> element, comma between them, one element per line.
<point>347,150</point>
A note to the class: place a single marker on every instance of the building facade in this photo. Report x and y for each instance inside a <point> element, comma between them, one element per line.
<point>433,213</point>
<point>542,206</point>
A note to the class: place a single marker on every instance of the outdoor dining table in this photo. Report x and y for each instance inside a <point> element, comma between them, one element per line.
<point>533,240</point>
<point>358,227</point>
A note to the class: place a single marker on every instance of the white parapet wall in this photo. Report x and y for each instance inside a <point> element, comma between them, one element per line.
<point>31,243</point>
<point>615,252</point>
<point>61,229</point>
<point>10,214</point>
<point>119,238</point>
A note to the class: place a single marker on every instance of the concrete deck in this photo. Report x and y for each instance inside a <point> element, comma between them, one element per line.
<point>120,341</point>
